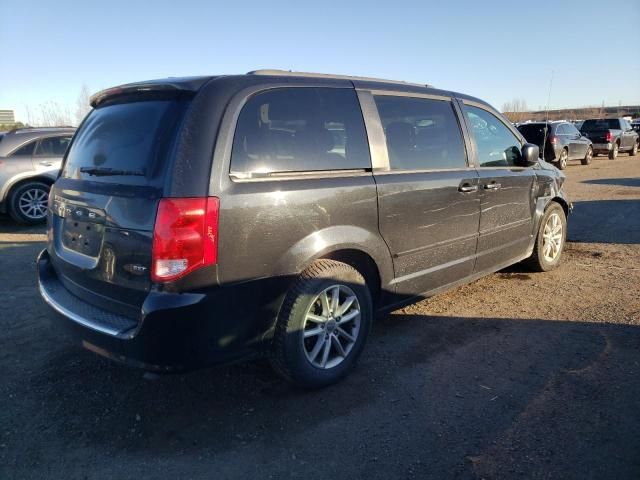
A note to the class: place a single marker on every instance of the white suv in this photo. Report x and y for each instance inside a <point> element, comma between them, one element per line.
<point>30,160</point>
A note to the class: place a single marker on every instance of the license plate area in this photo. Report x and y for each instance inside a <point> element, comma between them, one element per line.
<point>82,237</point>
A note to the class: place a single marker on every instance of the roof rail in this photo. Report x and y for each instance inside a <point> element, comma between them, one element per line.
<point>290,73</point>
<point>25,129</point>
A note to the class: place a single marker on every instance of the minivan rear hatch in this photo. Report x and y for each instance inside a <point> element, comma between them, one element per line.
<point>104,204</point>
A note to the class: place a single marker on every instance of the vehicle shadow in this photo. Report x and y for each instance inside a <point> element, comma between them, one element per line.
<point>605,221</point>
<point>8,225</point>
<point>432,389</point>
<point>623,182</point>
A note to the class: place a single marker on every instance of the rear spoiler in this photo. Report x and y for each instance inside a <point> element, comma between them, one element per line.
<point>168,86</point>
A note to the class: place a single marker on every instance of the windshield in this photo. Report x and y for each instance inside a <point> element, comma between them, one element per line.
<point>603,124</point>
<point>127,143</point>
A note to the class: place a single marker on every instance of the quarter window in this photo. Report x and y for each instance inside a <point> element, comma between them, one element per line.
<point>421,134</point>
<point>25,150</point>
<point>497,145</point>
<point>300,129</point>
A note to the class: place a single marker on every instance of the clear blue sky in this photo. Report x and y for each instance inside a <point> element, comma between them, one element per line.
<point>494,50</point>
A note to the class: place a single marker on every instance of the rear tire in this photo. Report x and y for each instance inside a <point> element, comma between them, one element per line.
<point>587,157</point>
<point>613,153</point>
<point>552,235</point>
<point>28,203</point>
<point>564,157</point>
<point>634,150</point>
<point>315,342</point>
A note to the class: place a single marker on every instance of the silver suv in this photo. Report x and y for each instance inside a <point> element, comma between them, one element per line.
<point>29,163</point>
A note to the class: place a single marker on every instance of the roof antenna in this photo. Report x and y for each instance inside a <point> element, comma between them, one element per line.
<point>546,117</point>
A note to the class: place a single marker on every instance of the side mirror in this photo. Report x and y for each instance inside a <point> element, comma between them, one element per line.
<point>530,154</point>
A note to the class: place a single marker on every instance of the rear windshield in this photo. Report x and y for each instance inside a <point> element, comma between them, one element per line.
<point>605,124</point>
<point>534,133</point>
<point>128,143</point>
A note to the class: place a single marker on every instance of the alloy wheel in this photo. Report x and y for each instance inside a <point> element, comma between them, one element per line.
<point>552,238</point>
<point>33,203</point>
<point>331,326</point>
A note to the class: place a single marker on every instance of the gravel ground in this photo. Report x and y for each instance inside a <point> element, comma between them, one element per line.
<point>518,375</point>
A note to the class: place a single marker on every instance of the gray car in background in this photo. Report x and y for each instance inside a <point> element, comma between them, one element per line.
<point>30,160</point>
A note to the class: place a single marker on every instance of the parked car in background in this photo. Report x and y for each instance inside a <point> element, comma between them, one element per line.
<point>578,124</point>
<point>559,142</point>
<point>30,160</point>
<point>635,124</point>
<point>326,199</point>
<point>610,136</point>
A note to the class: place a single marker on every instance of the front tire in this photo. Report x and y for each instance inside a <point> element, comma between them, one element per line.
<point>613,153</point>
<point>634,150</point>
<point>28,203</point>
<point>587,157</point>
<point>552,235</point>
<point>323,325</point>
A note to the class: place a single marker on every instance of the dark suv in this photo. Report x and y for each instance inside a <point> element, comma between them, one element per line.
<point>208,219</point>
<point>561,140</point>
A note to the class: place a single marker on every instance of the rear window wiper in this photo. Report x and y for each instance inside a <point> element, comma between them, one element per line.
<point>103,172</point>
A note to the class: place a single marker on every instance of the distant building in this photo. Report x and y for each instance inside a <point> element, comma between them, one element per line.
<point>7,116</point>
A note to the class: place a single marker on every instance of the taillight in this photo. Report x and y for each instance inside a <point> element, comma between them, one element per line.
<point>609,137</point>
<point>553,140</point>
<point>185,237</point>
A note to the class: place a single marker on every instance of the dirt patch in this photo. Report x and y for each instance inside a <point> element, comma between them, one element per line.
<point>520,374</point>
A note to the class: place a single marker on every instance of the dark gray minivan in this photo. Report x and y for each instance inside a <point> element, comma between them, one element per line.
<point>204,220</point>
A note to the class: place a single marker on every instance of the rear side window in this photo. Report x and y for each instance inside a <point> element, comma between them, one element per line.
<point>127,143</point>
<point>53,146</point>
<point>25,150</point>
<point>497,145</point>
<point>421,134</point>
<point>300,129</point>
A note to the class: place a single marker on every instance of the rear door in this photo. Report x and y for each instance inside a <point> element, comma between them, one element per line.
<point>104,203</point>
<point>429,205</point>
<point>48,154</point>
<point>507,203</point>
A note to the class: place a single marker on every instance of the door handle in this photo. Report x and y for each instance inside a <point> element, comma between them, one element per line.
<point>492,186</point>
<point>46,164</point>
<point>467,188</point>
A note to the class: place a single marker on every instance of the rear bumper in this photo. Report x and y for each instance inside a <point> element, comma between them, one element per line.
<point>602,147</point>
<point>174,332</point>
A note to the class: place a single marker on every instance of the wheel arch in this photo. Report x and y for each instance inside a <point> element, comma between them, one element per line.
<point>18,182</point>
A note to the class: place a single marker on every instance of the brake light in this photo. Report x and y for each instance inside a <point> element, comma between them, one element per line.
<point>185,237</point>
<point>609,137</point>
<point>553,140</point>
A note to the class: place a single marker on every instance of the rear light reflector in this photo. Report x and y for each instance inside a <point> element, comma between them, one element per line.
<point>609,137</point>
<point>185,237</point>
<point>553,140</point>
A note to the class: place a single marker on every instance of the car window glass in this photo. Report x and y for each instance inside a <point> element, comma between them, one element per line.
<point>300,129</point>
<point>53,146</point>
<point>561,129</point>
<point>572,130</point>
<point>421,133</point>
<point>25,150</point>
<point>497,145</point>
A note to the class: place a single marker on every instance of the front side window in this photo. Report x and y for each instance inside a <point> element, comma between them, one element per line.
<point>300,129</point>
<point>25,150</point>
<point>53,146</point>
<point>497,145</point>
<point>421,134</point>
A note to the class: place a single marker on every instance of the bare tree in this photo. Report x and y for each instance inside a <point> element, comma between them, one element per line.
<point>516,110</point>
<point>82,104</point>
